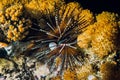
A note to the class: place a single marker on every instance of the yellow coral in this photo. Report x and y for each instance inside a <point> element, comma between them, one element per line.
<point>35,7</point>
<point>80,73</point>
<point>84,39</point>
<point>14,12</point>
<point>106,16</point>
<point>88,16</point>
<point>72,13</point>
<point>4,3</point>
<point>69,75</point>
<point>3,44</point>
<point>84,72</point>
<point>102,35</point>
<point>104,39</point>
<point>21,28</point>
<point>78,13</point>
<point>69,8</point>
<point>2,18</point>
<point>13,25</point>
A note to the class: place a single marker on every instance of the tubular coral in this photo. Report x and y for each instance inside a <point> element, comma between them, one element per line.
<point>4,3</point>
<point>78,13</point>
<point>84,72</point>
<point>104,39</point>
<point>84,39</point>
<point>14,26</point>
<point>88,16</point>
<point>80,73</point>
<point>38,6</point>
<point>69,75</point>
<point>73,7</point>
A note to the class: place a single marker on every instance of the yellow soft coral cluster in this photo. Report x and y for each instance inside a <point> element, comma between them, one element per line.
<point>69,8</point>
<point>4,3</point>
<point>38,7</point>
<point>14,12</point>
<point>106,33</point>
<point>79,73</point>
<point>70,75</point>
<point>84,72</point>
<point>13,25</point>
<point>74,10</point>
<point>73,14</point>
<point>84,39</point>
<point>101,36</point>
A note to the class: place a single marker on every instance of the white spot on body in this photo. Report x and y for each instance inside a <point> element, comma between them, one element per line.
<point>8,49</point>
<point>91,77</point>
<point>52,45</point>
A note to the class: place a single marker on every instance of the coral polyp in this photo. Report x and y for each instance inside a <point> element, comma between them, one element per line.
<point>34,7</point>
<point>13,25</point>
<point>106,34</point>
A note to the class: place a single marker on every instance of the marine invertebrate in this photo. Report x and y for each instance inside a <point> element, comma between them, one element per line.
<point>56,38</point>
<point>80,73</point>
<point>100,34</point>
<point>13,24</point>
<point>84,39</point>
<point>4,3</point>
<point>35,7</point>
<point>11,51</point>
<point>24,71</point>
<point>84,71</point>
<point>106,34</point>
<point>68,74</point>
<point>100,40</point>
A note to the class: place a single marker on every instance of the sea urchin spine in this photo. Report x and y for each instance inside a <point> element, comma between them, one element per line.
<point>56,38</point>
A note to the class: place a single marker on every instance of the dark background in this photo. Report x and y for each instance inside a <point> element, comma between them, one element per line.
<point>97,6</point>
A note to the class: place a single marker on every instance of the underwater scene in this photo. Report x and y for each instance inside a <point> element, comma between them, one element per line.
<point>58,40</point>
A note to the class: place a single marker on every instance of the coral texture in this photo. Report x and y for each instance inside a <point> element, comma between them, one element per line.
<point>55,40</point>
<point>35,7</point>
<point>14,26</point>
<point>106,33</point>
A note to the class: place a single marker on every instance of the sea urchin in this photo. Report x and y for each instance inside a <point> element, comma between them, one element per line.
<point>56,37</point>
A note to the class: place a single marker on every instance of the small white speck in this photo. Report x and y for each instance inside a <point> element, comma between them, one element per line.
<point>52,45</point>
<point>91,77</point>
<point>8,49</point>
